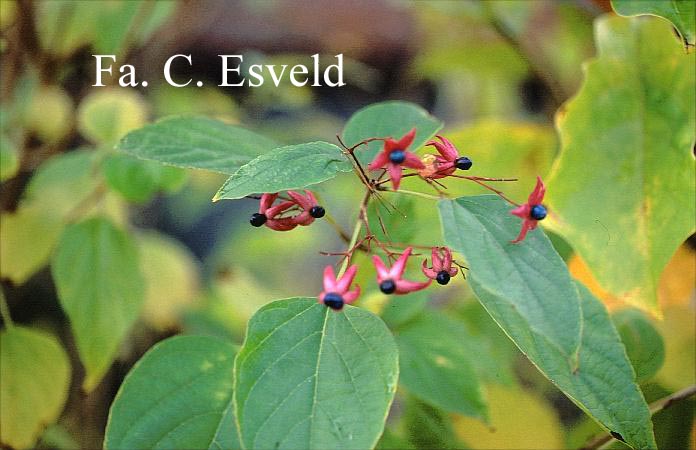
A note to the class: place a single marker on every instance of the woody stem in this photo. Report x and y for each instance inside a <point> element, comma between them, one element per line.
<point>356,234</point>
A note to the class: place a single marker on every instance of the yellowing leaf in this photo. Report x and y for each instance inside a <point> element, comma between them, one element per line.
<point>514,414</point>
<point>27,238</point>
<point>171,279</point>
<point>107,114</point>
<point>622,192</point>
<point>34,381</point>
<point>677,283</point>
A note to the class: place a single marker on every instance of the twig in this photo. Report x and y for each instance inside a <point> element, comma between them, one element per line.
<point>655,407</point>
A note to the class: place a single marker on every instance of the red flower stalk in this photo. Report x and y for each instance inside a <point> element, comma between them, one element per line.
<point>394,155</point>
<point>447,162</point>
<point>442,269</point>
<point>337,292</point>
<point>532,211</point>
<point>390,281</point>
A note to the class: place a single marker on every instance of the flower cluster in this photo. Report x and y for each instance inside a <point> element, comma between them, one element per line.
<point>285,212</point>
<point>280,216</point>
<point>395,155</point>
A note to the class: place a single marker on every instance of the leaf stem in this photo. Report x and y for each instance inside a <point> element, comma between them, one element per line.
<point>5,311</point>
<point>603,439</point>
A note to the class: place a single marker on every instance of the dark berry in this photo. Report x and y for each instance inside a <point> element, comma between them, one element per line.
<point>317,212</point>
<point>258,219</point>
<point>387,287</point>
<point>537,212</point>
<point>463,163</point>
<point>443,277</point>
<point>397,156</point>
<point>333,301</point>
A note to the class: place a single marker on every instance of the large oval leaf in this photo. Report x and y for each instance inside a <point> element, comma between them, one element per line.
<point>101,289</point>
<point>521,284</point>
<point>34,381</point>
<point>682,14</point>
<point>290,167</point>
<point>178,396</point>
<point>623,190</point>
<point>436,367</point>
<point>196,142</point>
<point>525,287</point>
<point>388,119</point>
<point>309,377</point>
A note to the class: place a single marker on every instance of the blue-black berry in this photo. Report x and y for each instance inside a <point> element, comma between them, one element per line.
<point>387,286</point>
<point>333,301</point>
<point>463,163</point>
<point>317,212</point>
<point>397,156</point>
<point>443,277</point>
<point>537,212</point>
<point>257,219</point>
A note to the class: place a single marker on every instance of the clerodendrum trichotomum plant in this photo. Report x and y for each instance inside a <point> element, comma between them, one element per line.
<point>321,372</point>
<point>444,282</point>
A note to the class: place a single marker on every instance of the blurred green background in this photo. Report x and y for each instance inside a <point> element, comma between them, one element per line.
<point>495,71</point>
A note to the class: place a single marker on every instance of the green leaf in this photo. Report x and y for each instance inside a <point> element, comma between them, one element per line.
<point>435,365</point>
<point>525,287</point>
<point>522,284</point>
<point>429,427</point>
<point>682,14</point>
<point>285,168</point>
<point>644,344</point>
<point>138,180</point>
<point>178,396</point>
<point>623,189</point>
<point>9,158</point>
<point>100,287</point>
<point>197,143</point>
<point>34,381</point>
<point>388,119</point>
<point>309,377</point>
<point>114,20</point>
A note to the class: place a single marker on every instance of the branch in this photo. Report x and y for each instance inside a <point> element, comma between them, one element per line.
<point>655,407</point>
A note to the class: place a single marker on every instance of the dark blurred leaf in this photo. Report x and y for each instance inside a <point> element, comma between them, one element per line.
<point>138,180</point>
<point>179,395</point>
<point>644,344</point>
<point>397,312</point>
<point>436,366</point>
<point>197,143</point>
<point>309,377</point>
<point>285,168</point>
<point>429,427</point>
